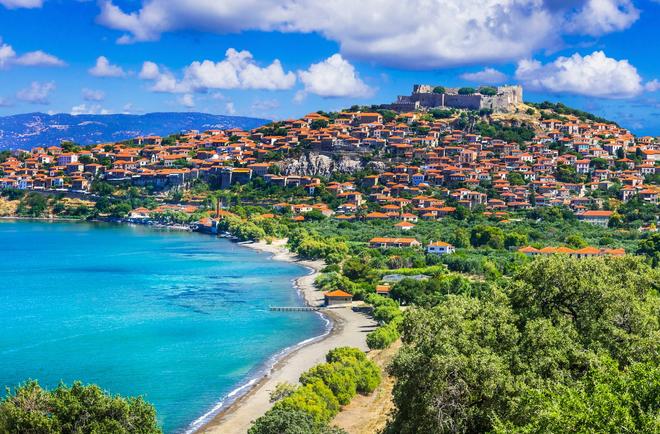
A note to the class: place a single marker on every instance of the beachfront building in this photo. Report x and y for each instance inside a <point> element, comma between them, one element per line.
<point>337,298</point>
<point>440,248</point>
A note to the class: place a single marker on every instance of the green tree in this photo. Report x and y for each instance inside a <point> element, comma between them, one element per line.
<point>650,247</point>
<point>515,239</point>
<point>488,90</point>
<point>439,89</point>
<point>287,421</point>
<point>576,241</point>
<point>76,409</point>
<point>598,163</point>
<point>317,124</point>
<point>490,236</point>
<point>569,345</point>
<point>32,205</point>
<point>567,174</point>
<point>467,91</point>
<point>516,178</point>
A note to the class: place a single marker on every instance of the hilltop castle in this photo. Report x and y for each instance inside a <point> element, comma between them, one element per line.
<point>504,100</point>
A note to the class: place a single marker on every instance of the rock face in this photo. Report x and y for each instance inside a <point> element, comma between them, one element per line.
<point>313,164</point>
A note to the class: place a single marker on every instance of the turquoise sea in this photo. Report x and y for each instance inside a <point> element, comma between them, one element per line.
<point>180,318</point>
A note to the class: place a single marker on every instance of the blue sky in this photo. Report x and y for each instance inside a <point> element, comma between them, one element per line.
<point>281,59</point>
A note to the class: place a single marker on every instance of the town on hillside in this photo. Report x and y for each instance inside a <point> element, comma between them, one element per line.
<point>420,161</point>
<point>479,219</point>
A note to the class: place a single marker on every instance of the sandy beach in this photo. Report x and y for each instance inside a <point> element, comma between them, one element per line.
<point>348,329</point>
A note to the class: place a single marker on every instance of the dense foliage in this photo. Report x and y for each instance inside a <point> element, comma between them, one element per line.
<point>566,345</point>
<point>310,407</point>
<point>76,409</point>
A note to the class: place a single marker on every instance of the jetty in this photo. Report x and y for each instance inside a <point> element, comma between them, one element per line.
<point>294,308</point>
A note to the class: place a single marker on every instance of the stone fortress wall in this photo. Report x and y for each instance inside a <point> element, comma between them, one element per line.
<point>505,101</point>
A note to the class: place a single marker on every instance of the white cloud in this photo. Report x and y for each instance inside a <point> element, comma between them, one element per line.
<point>652,86</point>
<point>7,54</point>
<point>485,76</point>
<point>149,71</point>
<point>9,57</point>
<point>599,17</point>
<point>187,100</point>
<point>593,75</point>
<point>299,96</point>
<point>230,109</point>
<point>412,34</point>
<point>5,102</point>
<point>128,108</point>
<point>237,71</point>
<point>93,109</point>
<point>103,68</point>
<point>334,77</point>
<point>39,58</point>
<point>16,4</point>
<point>93,94</point>
<point>37,93</point>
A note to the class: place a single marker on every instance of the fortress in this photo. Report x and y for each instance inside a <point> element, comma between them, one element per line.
<point>505,100</point>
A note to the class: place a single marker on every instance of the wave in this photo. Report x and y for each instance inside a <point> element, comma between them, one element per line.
<point>265,370</point>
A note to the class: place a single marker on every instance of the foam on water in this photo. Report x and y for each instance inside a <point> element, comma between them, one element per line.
<point>124,308</point>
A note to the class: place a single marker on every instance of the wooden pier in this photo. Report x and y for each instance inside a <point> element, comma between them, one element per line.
<point>294,308</point>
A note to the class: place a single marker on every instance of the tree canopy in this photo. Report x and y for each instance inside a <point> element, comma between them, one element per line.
<point>76,409</point>
<point>568,345</point>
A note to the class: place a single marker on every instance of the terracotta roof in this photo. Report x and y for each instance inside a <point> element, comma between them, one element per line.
<point>337,293</point>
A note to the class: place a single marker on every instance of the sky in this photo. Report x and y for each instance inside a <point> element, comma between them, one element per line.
<point>283,59</point>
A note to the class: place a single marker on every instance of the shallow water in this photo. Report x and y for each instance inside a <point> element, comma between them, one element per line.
<point>180,318</point>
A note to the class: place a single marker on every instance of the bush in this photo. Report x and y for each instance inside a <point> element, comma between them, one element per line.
<point>285,421</point>
<point>315,398</point>
<point>488,90</point>
<point>337,376</point>
<point>383,336</point>
<point>386,313</point>
<point>309,408</point>
<point>282,390</point>
<point>76,409</point>
<point>366,371</point>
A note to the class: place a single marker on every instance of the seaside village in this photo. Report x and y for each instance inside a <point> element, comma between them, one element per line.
<point>421,168</point>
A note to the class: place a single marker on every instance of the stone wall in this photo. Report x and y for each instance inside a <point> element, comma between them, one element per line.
<point>506,100</point>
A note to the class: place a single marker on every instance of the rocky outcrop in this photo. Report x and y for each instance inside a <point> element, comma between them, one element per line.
<point>313,164</point>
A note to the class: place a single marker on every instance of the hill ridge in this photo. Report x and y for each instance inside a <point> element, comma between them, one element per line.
<point>27,130</point>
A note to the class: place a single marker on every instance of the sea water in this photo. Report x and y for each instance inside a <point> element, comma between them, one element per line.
<point>179,318</point>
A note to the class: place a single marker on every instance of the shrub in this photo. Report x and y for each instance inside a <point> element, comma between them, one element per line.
<point>314,398</point>
<point>282,390</point>
<point>383,336</point>
<point>76,409</point>
<point>340,378</point>
<point>488,90</point>
<point>285,421</point>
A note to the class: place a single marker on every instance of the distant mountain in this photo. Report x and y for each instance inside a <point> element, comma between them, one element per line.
<point>37,129</point>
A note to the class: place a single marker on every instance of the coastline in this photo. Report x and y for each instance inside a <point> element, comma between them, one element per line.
<point>236,411</point>
<point>348,328</point>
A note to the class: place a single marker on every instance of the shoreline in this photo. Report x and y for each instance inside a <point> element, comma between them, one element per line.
<point>235,412</point>
<point>252,399</point>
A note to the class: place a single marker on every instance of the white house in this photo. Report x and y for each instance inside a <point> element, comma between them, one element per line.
<point>67,158</point>
<point>440,248</point>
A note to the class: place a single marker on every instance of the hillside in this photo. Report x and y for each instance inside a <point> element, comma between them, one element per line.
<point>36,129</point>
